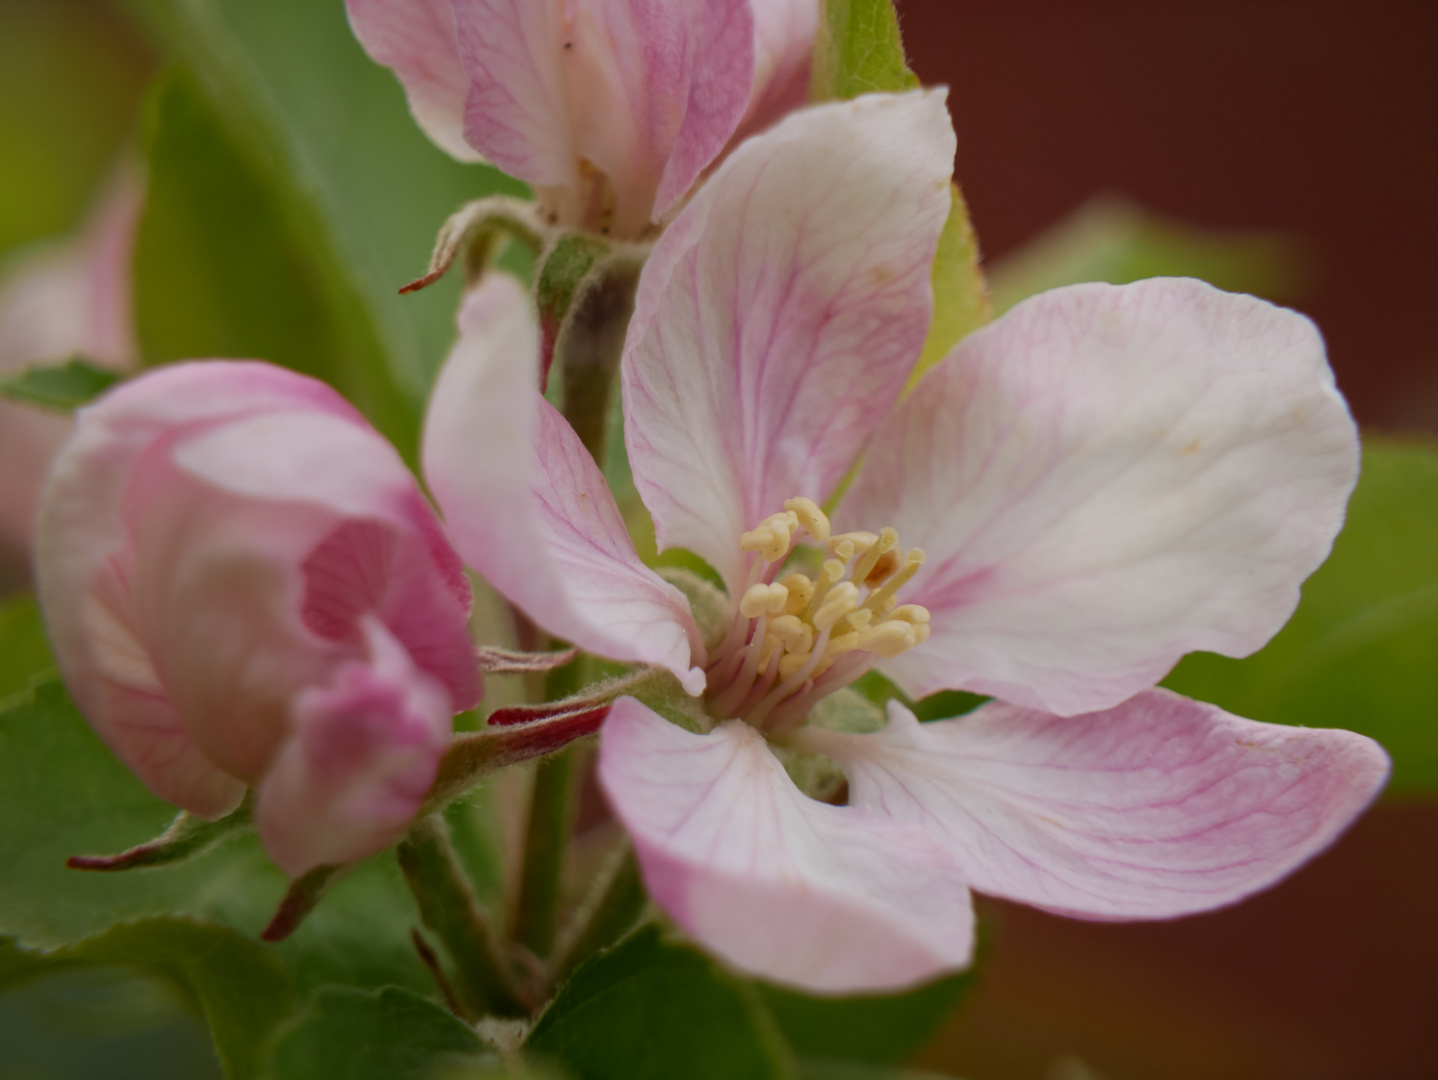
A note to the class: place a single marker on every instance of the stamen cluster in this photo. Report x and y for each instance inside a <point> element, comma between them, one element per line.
<point>798,638</point>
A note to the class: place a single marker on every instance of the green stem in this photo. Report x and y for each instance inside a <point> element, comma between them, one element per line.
<point>546,837</point>
<point>448,907</point>
<point>589,349</point>
<point>614,904</point>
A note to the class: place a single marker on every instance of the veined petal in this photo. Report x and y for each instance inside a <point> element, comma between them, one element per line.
<point>1106,479</point>
<point>359,763</point>
<point>517,112</point>
<point>780,314</point>
<point>416,40</point>
<point>528,507</point>
<point>831,899</point>
<point>784,33</point>
<point>1160,807</point>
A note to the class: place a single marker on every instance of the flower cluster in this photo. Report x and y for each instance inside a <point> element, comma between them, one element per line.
<point>246,588</point>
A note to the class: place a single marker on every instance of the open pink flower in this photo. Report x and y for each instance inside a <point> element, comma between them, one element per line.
<point>610,108</point>
<point>1104,479</point>
<point>245,588</point>
<point>57,302</point>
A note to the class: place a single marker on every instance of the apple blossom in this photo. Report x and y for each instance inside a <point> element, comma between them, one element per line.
<point>1104,479</point>
<point>245,587</point>
<point>610,108</point>
<point>56,302</point>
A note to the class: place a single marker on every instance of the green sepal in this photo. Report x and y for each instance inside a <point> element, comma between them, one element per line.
<point>65,386</point>
<point>858,50</point>
<point>186,837</point>
<point>479,231</point>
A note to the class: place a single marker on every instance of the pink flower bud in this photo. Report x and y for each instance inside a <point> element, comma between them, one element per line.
<point>245,588</point>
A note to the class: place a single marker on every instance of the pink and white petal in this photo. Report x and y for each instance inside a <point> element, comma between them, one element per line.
<point>362,756</point>
<point>527,506</point>
<point>719,69</point>
<point>784,33</point>
<point>780,314</point>
<point>1105,479</point>
<point>517,112</point>
<point>1160,807</point>
<point>416,40</point>
<point>830,899</point>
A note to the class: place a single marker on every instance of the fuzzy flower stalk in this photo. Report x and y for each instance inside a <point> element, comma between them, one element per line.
<point>1077,495</point>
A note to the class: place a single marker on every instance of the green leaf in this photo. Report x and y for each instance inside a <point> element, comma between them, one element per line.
<point>1361,652</point>
<point>63,793</point>
<point>858,51</point>
<point>648,1008</point>
<point>64,386</point>
<point>382,189</point>
<point>391,1034</point>
<point>233,260</point>
<point>241,989</point>
<point>1118,242</point>
<point>24,649</point>
<point>878,1030</point>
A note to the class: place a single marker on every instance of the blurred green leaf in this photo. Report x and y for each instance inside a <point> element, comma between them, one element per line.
<point>382,189</point>
<point>24,650</point>
<point>859,51</point>
<point>71,78</point>
<point>1361,652</point>
<point>391,1034</point>
<point>63,793</point>
<point>1114,241</point>
<point>648,1008</point>
<point>878,1029</point>
<point>961,295</point>
<point>64,386</point>
<point>241,989</point>
<point>233,260</point>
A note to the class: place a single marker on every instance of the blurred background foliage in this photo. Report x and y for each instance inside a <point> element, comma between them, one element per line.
<point>1279,148</point>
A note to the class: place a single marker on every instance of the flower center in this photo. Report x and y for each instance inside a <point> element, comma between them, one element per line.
<point>797,638</point>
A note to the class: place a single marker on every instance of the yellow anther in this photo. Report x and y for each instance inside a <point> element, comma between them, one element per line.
<point>843,550</point>
<point>885,542</point>
<point>841,599</point>
<point>801,589</point>
<point>921,633</point>
<point>881,596</point>
<point>884,568</point>
<point>792,662</point>
<point>787,627</point>
<point>771,538</point>
<point>843,643</point>
<point>859,618</point>
<point>859,541</point>
<point>814,520</point>
<point>915,614</point>
<point>888,638</point>
<point>762,598</point>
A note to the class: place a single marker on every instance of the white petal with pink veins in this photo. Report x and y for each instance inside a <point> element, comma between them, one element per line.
<point>527,506</point>
<point>1105,479</point>
<point>780,314</point>
<point>1160,807</point>
<point>828,898</point>
<point>416,40</point>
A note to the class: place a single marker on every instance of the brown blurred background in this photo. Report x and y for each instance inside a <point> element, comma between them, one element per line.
<point>1317,118</point>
